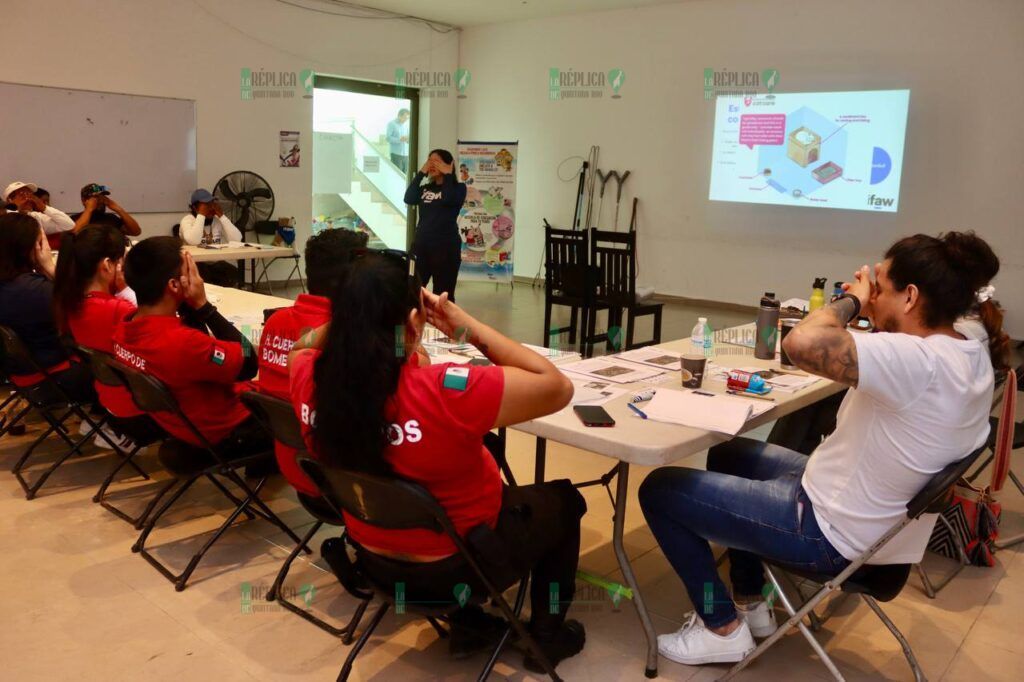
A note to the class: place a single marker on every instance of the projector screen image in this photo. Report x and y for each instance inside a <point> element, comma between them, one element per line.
<point>825,149</point>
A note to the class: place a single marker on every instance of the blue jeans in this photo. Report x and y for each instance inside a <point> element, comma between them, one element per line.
<point>750,500</point>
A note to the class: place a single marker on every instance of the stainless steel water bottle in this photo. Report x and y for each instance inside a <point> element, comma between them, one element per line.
<point>767,328</point>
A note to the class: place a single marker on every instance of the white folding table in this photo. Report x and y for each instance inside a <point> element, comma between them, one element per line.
<point>637,441</point>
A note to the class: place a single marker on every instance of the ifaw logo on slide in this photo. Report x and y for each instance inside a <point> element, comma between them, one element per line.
<point>880,202</point>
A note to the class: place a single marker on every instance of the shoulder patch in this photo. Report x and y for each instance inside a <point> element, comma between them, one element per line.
<point>456,378</point>
<point>218,356</point>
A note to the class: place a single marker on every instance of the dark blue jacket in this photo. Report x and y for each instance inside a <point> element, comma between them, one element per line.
<point>26,306</point>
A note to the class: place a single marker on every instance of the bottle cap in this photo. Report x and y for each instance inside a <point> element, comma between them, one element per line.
<point>769,300</point>
<point>702,319</point>
<point>819,282</point>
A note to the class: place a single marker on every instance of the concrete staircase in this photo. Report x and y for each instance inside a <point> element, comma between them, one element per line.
<point>382,218</point>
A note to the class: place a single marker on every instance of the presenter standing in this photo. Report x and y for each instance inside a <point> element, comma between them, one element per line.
<point>437,245</point>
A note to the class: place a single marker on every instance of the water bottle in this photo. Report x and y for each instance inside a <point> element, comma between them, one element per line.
<point>697,335</point>
<point>837,291</point>
<point>817,295</point>
<point>767,327</point>
<point>708,340</point>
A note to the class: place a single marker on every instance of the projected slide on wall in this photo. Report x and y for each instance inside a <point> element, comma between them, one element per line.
<point>825,149</point>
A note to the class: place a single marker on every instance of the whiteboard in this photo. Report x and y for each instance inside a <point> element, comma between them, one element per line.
<point>142,148</point>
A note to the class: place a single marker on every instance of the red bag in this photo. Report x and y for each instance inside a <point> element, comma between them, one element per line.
<point>973,514</point>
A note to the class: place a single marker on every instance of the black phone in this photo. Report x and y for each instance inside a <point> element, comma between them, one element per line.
<point>593,415</point>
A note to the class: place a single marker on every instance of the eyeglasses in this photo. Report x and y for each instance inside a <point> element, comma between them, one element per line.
<point>407,259</point>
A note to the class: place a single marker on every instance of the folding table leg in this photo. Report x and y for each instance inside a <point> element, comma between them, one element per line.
<point>618,524</point>
<point>540,461</point>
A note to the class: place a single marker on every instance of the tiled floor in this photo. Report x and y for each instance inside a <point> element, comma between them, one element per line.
<point>75,603</point>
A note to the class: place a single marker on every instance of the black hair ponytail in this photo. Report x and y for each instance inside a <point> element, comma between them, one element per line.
<point>358,370</point>
<point>80,255</point>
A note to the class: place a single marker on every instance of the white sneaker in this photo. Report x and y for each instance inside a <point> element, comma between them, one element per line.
<point>125,443</point>
<point>759,617</point>
<point>694,644</point>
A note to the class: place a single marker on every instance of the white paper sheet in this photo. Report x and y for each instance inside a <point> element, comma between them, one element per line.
<point>702,410</point>
<point>616,371</point>
<point>594,392</point>
<point>665,360</point>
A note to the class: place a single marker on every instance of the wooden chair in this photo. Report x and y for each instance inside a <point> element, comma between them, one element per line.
<point>613,259</point>
<point>568,280</point>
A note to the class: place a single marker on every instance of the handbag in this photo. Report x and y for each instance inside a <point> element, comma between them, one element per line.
<point>972,518</point>
<point>971,522</point>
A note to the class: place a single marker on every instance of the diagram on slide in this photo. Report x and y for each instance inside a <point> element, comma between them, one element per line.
<point>826,149</point>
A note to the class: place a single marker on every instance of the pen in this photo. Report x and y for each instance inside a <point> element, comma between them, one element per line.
<point>637,410</point>
<point>744,394</point>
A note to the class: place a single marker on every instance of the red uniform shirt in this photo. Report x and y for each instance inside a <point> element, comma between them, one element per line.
<point>280,333</point>
<point>198,369</point>
<point>93,327</point>
<point>438,420</point>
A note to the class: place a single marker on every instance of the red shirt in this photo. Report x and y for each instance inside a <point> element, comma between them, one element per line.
<point>198,369</point>
<point>280,333</point>
<point>93,327</point>
<point>436,440</point>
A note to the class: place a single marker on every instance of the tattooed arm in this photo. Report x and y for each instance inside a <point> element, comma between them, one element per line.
<point>821,345</point>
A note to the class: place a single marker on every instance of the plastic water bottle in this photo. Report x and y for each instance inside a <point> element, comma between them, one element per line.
<point>697,336</point>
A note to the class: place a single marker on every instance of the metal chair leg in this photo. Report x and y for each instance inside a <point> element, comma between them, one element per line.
<point>907,651</point>
<point>517,609</point>
<point>182,579</point>
<point>228,494</point>
<point>346,669</point>
<point>932,588</point>
<point>795,620</point>
<point>73,447</point>
<point>113,472</point>
<point>262,507</point>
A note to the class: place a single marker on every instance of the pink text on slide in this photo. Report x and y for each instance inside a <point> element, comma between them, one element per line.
<point>762,129</point>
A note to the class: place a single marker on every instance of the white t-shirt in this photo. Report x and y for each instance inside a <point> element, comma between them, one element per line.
<point>223,230</point>
<point>920,404</point>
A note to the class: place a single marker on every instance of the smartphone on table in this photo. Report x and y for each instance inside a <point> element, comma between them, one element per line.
<point>593,415</point>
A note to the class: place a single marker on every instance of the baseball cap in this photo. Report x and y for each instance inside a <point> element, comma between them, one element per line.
<point>200,196</point>
<point>15,186</point>
<point>94,188</point>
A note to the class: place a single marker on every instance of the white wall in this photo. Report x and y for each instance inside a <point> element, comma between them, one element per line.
<point>195,49</point>
<point>961,60</point>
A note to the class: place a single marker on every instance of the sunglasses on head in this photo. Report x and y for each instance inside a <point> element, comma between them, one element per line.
<point>404,257</point>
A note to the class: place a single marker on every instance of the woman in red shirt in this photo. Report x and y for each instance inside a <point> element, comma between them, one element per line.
<point>89,274</point>
<point>370,403</point>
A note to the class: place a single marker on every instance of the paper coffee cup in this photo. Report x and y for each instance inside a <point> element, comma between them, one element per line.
<point>692,370</point>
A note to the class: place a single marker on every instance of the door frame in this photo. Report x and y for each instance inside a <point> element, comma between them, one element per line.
<point>393,91</point>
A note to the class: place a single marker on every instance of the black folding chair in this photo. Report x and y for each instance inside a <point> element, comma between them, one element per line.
<point>203,461</point>
<point>269,228</point>
<point>14,398</point>
<point>613,256</point>
<point>55,406</point>
<point>102,369</point>
<point>278,417</point>
<point>874,583</point>
<point>568,280</point>
<point>401,505</point>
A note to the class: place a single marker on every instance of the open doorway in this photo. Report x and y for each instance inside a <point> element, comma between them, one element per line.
<point>364,155</point>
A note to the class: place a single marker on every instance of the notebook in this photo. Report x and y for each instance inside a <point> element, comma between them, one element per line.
<point>704,410</point>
